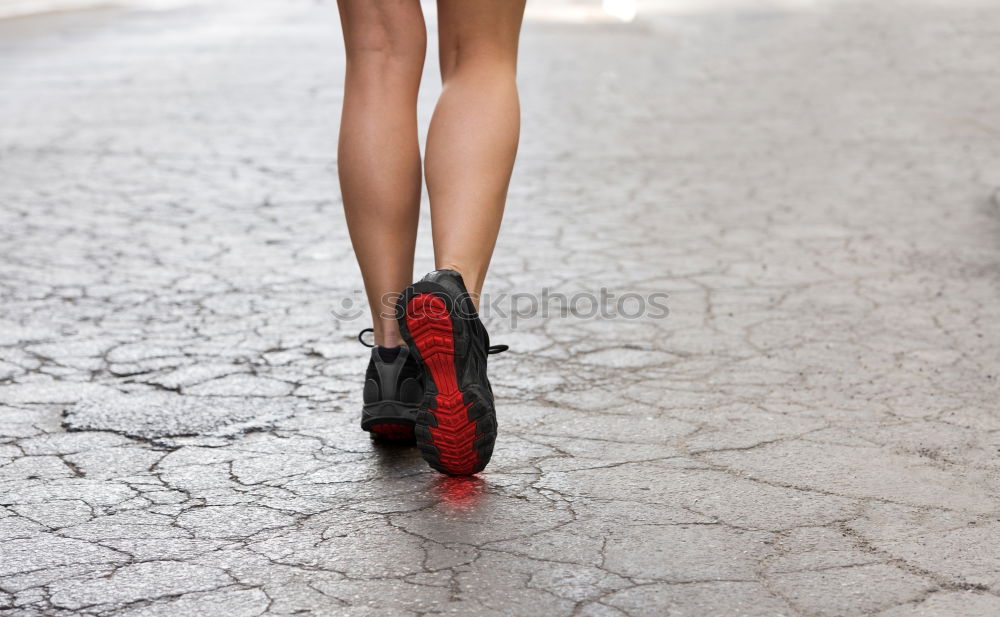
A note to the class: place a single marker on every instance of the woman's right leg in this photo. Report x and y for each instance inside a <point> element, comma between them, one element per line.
<point>378,157</point>
<point>473,135</point>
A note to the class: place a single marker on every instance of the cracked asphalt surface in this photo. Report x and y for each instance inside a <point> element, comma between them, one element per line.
<point>813,430</point>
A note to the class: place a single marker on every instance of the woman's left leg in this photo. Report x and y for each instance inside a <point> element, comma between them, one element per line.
<point>378,157</point>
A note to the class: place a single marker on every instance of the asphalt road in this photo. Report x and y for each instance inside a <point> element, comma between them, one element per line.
<point>813,429</point>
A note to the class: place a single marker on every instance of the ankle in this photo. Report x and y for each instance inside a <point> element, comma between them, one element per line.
<point>387,333</point>
<point>392,340</point>
<point>472,277</point>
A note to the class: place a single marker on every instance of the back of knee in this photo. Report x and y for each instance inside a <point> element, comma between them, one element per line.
<point>478,60</point>
<point>383,50</point>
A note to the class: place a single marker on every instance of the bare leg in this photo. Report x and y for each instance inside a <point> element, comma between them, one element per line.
<point>473,135</point>
<point>378,157</point>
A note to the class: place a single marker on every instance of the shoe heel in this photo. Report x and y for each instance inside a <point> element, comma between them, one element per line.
<point>446,435</point>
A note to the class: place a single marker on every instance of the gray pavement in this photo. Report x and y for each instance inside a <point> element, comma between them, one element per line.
<point>813,430</point>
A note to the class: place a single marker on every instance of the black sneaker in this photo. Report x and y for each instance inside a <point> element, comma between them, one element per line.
<point>456,425</point>
<point>393,391</point>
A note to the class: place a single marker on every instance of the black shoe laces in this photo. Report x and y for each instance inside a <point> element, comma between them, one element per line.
<point>361,337</point>
<point>491,350</point>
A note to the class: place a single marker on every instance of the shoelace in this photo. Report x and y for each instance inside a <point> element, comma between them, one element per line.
<point>491,350</point>
<point>362,334</point>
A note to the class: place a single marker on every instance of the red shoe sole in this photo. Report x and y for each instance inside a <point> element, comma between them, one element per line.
<point>454,435</point>
<point>393,432</point>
